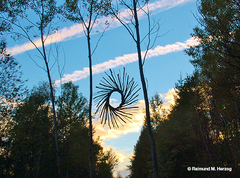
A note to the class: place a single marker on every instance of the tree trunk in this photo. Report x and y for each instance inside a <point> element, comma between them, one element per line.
<point>152,141</point>
<point>53,103</point>
<point>90,103</point>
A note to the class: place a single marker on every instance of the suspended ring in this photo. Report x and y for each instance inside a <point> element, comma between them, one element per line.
<point>128,90</point>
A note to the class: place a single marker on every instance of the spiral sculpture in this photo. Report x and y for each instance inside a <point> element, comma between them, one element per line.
<point>128,90</point>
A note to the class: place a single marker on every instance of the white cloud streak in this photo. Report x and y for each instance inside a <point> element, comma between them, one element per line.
<point>58,36</point>
<point>126,59</point>
<point>77,30</point>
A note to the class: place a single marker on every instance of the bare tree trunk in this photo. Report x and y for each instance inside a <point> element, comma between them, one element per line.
<point>149,128</point>
<point>54,116</point>
<point>88,28</point>
<point>52,100</point>
<point>90,104</point>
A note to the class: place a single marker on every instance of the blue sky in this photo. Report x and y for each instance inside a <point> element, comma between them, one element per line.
<point>163,66</point>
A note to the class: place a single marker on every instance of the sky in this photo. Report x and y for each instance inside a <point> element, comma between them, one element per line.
<point>164,64</point>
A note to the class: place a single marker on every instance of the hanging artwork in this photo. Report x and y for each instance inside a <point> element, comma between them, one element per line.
<point>127,88</point>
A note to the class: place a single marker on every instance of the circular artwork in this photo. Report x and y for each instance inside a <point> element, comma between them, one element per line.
<point>127,89</point>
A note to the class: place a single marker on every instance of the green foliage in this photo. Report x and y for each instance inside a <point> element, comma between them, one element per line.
<point>192,135</point>
<point>72,113</point>
<point>11,92</point>
<point>74,152</point>
<point>72,106</point>
<point>141,162</point>
<point>202,129</point>
<point>12,86</point>
<point>37,24</point>
<point>106,163</point>
<point>29,148</point>
<point>81,11</point>
<point>156,109</point>
<point>180,142</point>
<point>217,57</point>
<point>31,138</point>
<point>86,12</point>
<point>74,138</point>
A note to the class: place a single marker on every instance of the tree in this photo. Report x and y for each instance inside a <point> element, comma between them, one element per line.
<point>45,10</point>
<point>187,142</point>
<point>12,86</point>
<point>217,61</point>
<point>217,57</point>
<point>156,109</point>
<point>189,135</point>
<point>132,7</point>
<point>74,136</point>
<point>28,155</point>
<point>141,163</point>
<point>186,137</point>
<point>74,12</point>
<point>75,155</point>
<point>11,92</point>
<point>203,125</point>
<point>72,107</point>
<point>106,163</point>
<point>72,112</point>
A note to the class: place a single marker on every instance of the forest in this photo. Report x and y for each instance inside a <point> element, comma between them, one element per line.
<point>49,134</point>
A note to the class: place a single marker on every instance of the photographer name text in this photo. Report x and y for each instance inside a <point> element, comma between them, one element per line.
<point>229,169</point>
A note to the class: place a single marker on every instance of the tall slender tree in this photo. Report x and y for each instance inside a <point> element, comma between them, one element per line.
<point>86,12</point>
<point>16,13</point>
<point>134,7</point>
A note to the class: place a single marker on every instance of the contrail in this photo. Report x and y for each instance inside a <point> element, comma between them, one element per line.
<point>126,59</point>
<point>77,31</point>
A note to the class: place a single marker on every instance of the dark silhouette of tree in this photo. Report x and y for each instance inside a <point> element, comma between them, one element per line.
<point>45,10</point>
<point>141,161</point>
<point>31,132</point>
<point>134,6</point>
<point>87,12</point>
<point>202,129</point>
<point>74,136</point>
<point>12,86</point>
<point>217,61</point>
<point>188,137</point>
<point>217,57</point>
<point>29,148</point>
<point>12,90</point>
